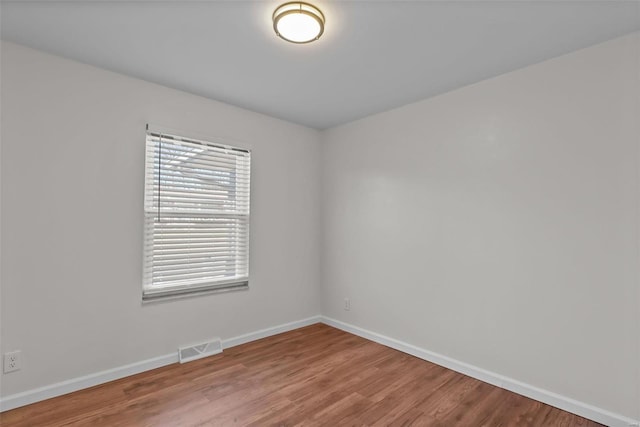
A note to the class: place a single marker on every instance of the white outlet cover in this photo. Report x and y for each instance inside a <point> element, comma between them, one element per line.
<point>12,362</point>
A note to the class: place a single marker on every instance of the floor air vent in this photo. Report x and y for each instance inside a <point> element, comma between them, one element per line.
<point>198,351</point>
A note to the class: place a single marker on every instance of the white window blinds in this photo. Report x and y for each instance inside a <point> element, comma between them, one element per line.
<point>196,205</point>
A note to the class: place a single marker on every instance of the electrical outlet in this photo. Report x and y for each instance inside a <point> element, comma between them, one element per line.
<point>12,361</point>
<point>347,304</point>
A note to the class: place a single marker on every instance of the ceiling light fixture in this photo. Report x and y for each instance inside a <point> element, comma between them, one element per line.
<point>298,22</point>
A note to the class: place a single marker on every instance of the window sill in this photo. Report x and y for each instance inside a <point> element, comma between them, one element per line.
<point>175,294</point>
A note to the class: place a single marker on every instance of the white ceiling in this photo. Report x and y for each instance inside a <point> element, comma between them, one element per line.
<point>374,55</point>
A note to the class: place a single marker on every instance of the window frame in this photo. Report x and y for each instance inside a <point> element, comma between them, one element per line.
<point>149,293</point>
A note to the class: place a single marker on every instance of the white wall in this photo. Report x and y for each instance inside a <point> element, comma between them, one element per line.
<point>498,225</point>
<point>72,213</point>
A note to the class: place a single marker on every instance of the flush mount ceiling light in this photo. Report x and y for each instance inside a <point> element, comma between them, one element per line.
<point>298,22</point>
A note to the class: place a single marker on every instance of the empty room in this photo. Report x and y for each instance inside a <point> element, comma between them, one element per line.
<point>320,213</point>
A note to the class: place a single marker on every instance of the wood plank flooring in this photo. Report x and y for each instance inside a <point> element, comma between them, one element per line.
<point>313,376</point>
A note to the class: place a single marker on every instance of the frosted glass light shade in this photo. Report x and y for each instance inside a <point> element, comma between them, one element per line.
<point>298,22</point>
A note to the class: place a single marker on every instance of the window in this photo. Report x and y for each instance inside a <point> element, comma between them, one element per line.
<point>196,216</point>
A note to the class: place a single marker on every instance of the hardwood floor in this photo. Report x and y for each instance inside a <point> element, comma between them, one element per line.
<point>313,376</point>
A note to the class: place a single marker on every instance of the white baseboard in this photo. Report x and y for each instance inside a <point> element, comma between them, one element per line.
<point>47,392</point>
<point>263,333</point>
<point>75,384</point>
<point>562,402</point>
